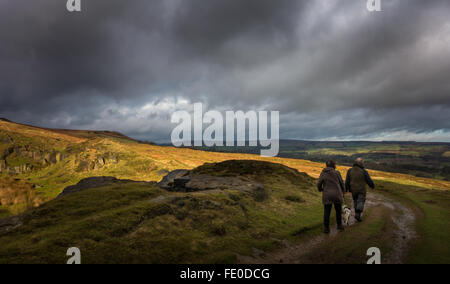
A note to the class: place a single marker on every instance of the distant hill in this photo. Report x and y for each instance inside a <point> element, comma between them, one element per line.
<point>430,160</point>
<point>70,132</point>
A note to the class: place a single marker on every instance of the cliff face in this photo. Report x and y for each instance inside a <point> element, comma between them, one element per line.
<point>19,159</point>
<point>26,148</point>
<point>47,160</point>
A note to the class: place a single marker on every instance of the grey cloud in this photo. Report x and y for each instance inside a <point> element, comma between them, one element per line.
<point>374,72</point>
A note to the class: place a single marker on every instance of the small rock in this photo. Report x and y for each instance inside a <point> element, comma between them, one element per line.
<point>159,199</point>
<point>162,172</point>
<point>258,253</point>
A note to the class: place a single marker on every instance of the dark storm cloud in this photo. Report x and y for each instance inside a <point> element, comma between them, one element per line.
<point>333,69</point>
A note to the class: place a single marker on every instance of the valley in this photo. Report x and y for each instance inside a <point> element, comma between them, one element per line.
<point>431,160</point>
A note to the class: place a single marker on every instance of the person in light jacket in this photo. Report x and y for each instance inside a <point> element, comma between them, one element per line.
<point>332,187</point>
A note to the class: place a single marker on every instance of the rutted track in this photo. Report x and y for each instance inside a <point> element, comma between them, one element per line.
<point>404,220</point>
<point>403,234</point>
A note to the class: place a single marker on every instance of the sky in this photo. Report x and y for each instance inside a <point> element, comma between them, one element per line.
<point>334,70</point>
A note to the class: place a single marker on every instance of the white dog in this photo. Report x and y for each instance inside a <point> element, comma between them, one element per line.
<point>346,212</point>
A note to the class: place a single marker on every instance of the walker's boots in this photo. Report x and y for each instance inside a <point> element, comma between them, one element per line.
<point>326,230</point>
<point>340,228</point>
<point>358,216</point>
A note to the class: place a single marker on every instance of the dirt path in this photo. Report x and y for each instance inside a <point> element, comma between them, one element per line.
<point>405,232</point>
<point>402,234</point>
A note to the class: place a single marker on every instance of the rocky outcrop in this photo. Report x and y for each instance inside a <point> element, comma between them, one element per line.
<point>44,158</point>
<point>9,224</point>
<point>84,164</point>
<point>32,157</point>
<point>15,170</point>
<point>168,181</point>
<point>188,181</point>
<point>25,158</point>
<point>98,163</point>
<point>246,176</point>
<point>20,169</point>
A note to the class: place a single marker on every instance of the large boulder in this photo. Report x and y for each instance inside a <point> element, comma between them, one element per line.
<point>168,181</point>
<point>246,176</point>
<point>189,181</point>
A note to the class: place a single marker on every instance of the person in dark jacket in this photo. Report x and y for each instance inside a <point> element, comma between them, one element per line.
<point>356,181</point>
<point>332,187</point>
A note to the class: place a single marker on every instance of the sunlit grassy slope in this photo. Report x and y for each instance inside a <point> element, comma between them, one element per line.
<point>139,222</point>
